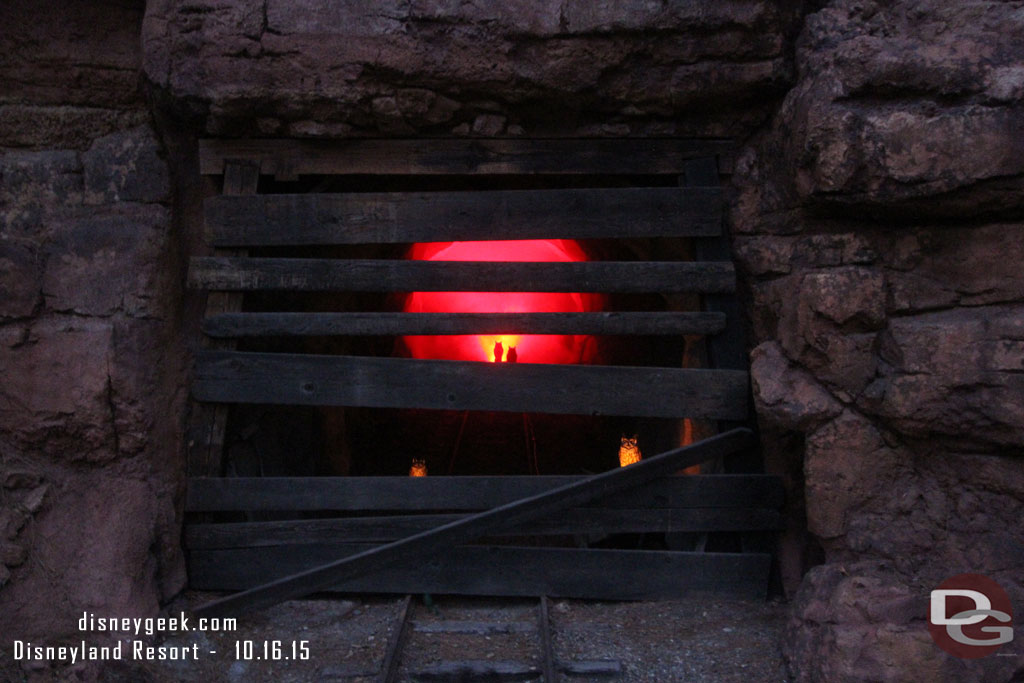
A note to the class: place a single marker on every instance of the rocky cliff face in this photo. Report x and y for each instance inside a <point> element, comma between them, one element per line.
<point>312,68</point>
<point>876,215</point>
<point>91,388</point>
<point>878,218</point>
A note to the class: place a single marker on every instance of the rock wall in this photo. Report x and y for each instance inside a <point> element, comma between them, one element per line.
<point>397,67</point>
<point>876,215</point>
<point>879,219</point>
<point>90,362</point>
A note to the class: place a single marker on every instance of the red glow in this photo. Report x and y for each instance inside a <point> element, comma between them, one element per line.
<point>530,348</point>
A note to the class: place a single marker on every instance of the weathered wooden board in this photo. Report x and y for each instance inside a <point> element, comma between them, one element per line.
<point>425,494</point>
<point>394,217</point>
<point>728,350</point>
<point>399,275</point>
<point>289,158</point>
<point>388,323</point>
<point>298,379</point>
<point>567,522</point>
<point>435,543</point>
<point>207,424</point>
<point>500,570</point>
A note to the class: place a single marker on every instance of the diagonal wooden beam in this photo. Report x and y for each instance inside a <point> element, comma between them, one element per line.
<point>465,530</point>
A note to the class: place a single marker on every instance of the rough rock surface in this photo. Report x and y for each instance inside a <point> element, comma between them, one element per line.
<point>879,223</point>
<point>314,68</point>
<point>90,396</point>
<point>877,217</point>
<point>70,72</point>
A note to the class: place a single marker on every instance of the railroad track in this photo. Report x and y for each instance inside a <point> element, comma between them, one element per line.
<point>543,666</point>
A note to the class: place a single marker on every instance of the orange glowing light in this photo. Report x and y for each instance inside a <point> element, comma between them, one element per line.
<point>488,342</point>
<point>418,468</point>
<point>686,438</point>
<point>530,348</point>
<point>629,452</point>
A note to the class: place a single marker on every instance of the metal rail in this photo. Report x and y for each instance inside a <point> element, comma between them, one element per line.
<point>399,636</point>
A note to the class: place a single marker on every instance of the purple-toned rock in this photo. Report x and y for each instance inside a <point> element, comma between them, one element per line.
<point>863,622</point>
<point>69,72</point>
<point>910,103</point>
<point>954,373</point>
<point>107,259</point>
<point>308,67</point>
<point>877,221</point>
<point>785,394</point>
<point>99,532</point>
<point>125,167</point>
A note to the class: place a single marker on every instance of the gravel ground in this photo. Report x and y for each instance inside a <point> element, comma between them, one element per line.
<point>688,640</point>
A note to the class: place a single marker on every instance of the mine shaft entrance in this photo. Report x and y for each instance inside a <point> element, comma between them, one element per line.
<point>338,374</point>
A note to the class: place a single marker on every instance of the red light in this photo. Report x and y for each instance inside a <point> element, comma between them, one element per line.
<point>529,348</point>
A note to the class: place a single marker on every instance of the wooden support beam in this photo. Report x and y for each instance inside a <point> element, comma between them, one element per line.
<point>433,545</point>
<point>207,424</point>
<point>425,494</point>
<point>339,324</point>
<point>300,379</point>
<point>729,349</point>
<point>588,521</point>
<point>595,574</point>
<point>596,156</point>
<point>398,275</point>
<point>397,217</point>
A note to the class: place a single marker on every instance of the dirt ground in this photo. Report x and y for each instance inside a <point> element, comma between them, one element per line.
<point>688,640</point>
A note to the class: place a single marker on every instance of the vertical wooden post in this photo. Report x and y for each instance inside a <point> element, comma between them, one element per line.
<point>209,422</point>
<point>728,348</point>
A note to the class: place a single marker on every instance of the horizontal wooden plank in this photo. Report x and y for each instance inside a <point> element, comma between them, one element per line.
<point>436,542</point>
<point>356,494</point>
<point>399,217</point>
<point>567,522</point>
<point>397,275</point>
<point>295,379</point>
<point>289,157</point>
<point>339,324</point>
<point>502,571</point>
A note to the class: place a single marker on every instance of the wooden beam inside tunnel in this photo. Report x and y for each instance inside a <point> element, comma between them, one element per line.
<point>422,545</point>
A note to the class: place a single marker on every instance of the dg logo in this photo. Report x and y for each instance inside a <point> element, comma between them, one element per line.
<point>970,616</point>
